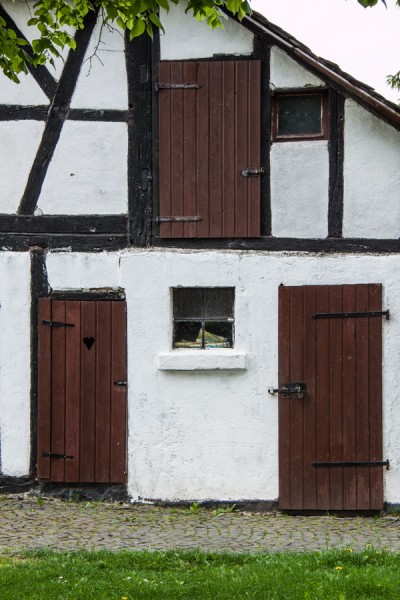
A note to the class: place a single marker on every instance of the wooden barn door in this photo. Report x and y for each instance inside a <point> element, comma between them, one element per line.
<point>82,391</point>
<point>330,441</point>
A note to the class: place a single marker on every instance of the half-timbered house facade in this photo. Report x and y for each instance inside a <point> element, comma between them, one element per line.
<point>199,270</point>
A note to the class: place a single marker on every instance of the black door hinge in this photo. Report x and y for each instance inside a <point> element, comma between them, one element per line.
<point>55,455</point>
<point>176,86</point>
<point>57,324</point>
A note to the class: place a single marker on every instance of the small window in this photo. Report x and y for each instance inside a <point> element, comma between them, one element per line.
<point>203,317</point>
<point>300,116</point>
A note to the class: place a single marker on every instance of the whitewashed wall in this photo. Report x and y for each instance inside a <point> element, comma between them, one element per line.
<point>186,38</point>
<point>14,363</point>
<point>287,73</point>
<point>371,176</point>
<point>212,433</point>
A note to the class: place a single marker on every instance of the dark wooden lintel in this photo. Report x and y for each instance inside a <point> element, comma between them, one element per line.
<point>60,224</point>
<point>271,244</point>
<point>70,242</point>
<point>16,112</point>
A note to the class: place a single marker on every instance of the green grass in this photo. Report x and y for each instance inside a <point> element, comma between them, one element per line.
<point>332,575</point>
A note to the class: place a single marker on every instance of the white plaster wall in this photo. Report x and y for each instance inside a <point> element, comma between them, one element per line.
<point>371,176</point>
<point>14,363</point>
<point>19,143</point>
<point>25,93</point>
<point>88,172</point>
<point>186,38</point>
<point>102,81</point>
<point>299,189</point>
<point>213,434</point>
<point>287,73</point>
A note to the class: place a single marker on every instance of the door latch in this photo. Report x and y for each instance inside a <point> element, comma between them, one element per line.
<point>290,390</point>
<point>120,383</point>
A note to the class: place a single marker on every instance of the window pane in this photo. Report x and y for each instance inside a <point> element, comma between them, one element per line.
<point>188,303</point>
<point>218,335</point>
<point>299,115</point>
<point>219,302</point>
<point>187,334</point>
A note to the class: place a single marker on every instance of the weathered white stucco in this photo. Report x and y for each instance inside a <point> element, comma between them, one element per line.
<point>88,172</point>
<point>102,80</point>
<point>19,143</point>
<point>299,189</point>
<point>186,38</point>
<point>371,176</point>
<point>213,434</point>
<point>26,93</point>
<point>287,73</point>
<point>14,363</point>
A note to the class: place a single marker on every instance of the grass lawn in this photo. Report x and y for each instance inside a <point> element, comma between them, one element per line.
<point>124,575</point>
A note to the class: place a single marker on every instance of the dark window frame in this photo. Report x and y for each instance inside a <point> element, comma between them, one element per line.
<point>323,135</point>
<point>199,319</point>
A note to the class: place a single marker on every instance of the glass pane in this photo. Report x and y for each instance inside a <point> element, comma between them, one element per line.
<point>299,115</point>
<point>188,303</point>
<point>187,334</point>
<point>219,302</point>
<point>218,335</point>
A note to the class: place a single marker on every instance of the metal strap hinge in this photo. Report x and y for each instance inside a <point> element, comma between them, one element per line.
<point>57,324</point>
<point>353,463</point>
<point>55,455</point>
<point>178,219</point>
<point>352,315</point>
<point>176,86</point>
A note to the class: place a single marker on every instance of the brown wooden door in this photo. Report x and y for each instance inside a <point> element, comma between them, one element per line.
<point>339,358</point>
<point>82,391</point>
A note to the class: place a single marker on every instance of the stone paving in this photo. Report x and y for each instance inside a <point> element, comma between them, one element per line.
<point>31,523</point>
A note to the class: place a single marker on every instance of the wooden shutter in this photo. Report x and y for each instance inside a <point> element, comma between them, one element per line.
<point>209,133</point>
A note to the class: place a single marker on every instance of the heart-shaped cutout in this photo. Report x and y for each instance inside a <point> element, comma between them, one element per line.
<point>88,341</point>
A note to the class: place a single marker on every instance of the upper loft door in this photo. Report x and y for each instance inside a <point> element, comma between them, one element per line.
<point>209,147</point>
<point>330,440</point>
<point>82,391</point>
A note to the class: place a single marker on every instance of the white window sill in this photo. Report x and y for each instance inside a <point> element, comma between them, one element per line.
<point>201,360</point>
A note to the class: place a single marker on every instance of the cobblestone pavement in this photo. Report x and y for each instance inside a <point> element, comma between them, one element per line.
<point>30,523</point>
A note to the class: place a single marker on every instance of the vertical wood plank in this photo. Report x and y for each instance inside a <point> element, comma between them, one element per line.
<point>88,392</point>
<point>284,403</point>
<point>215,166</point>
<point>296,404</point>
<point>309,414</point>
<point>58,392</point>
<point>242,109</point>
<point>103,391</point>
<point>254,148</point>
<point>349,399</point>
<point>375,398</point>
<point>322,397</point>
<point>44,388</point>
<point>362,395</point>
<point>203,149</point>
<point>228,149</point>
<point>335,398</point>
<point>189,148</point>
<point>165,166</point>
<point>177,149</point>
<point>72,390</point>
<point>118,402</point>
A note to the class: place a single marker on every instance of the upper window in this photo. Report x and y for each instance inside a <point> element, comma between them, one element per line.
<point>203,317</point>
<point>300,116</point>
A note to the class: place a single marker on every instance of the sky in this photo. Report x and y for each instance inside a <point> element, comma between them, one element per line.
<point>363,42</point>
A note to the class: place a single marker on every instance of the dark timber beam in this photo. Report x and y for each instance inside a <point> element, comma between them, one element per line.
<point>140,176</point>
<point>336,159</point>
